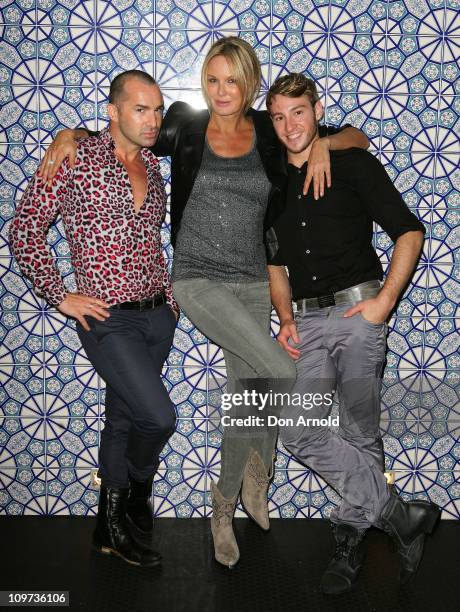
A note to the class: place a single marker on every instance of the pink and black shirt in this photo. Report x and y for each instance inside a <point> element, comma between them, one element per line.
<point>115,251</point>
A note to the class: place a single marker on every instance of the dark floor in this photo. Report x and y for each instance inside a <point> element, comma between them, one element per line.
<point>278,571</point>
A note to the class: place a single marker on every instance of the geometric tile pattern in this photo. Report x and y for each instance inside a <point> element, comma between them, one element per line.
<point>388,67</point>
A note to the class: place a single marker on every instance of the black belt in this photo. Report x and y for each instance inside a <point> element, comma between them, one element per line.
<point>148,304</point>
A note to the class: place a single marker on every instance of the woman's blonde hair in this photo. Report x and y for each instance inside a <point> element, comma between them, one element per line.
<point>245,66</point>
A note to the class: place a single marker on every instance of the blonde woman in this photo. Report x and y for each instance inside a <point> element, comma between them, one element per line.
<point>228,180</point>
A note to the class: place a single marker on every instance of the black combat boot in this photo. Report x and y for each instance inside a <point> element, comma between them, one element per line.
<point>139,510</point>
<point>347,561</point>
<point>407,523</point>
<point>112,535</point>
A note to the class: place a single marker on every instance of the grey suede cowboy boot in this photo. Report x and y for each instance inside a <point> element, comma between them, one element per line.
<point>225,546</point>
<point>255,488</point>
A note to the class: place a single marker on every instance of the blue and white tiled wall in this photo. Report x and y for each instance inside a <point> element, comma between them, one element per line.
<point>390,68</point>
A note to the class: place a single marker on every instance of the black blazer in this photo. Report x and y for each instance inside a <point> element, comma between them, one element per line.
<point>182,136</point>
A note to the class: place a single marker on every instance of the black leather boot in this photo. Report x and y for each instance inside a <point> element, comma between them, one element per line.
<point>112,536</point>
<point>407,523</point>
<point>139,510</point>
<point>347,560</point>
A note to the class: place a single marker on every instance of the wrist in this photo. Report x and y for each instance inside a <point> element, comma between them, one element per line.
<point>61,299</point>
<point>287,320</point>
<point>325,142</point>
<point>66,135</point>
<point>387,300</point>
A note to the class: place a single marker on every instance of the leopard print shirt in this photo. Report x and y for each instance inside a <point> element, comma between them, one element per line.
<point>116,253</point>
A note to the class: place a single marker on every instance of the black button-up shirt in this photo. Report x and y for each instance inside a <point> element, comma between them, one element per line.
<point>327,244</point>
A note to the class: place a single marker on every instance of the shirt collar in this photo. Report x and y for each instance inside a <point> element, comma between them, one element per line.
<point>295,170</point>
<point>106,138</point>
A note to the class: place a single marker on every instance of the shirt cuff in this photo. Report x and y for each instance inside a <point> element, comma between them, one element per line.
<point>171,301</point>
<point>55,295</point>
<point>276,260</point>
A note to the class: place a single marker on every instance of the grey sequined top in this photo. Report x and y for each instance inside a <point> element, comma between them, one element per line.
<point>221,232</point>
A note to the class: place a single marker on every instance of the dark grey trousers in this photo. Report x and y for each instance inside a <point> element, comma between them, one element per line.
<point>128,351</point>
<point>345,355</point>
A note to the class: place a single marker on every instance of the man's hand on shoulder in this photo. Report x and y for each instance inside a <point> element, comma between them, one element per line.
<point>288,331</point>
<point>77,305</point>
<point>319,168</point>
<point>64,145</point>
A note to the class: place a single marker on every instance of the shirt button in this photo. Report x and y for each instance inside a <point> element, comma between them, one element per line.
<point>313,277</point>
<point>307,251</point>
<point>299,196</point>
<point>303,224</point>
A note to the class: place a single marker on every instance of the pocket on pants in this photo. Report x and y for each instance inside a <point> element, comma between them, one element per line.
<point>163,318</point>
<point>370,323</point>
<point>97,329</point>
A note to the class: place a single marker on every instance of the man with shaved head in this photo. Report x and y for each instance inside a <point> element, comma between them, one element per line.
<point>112,202</point>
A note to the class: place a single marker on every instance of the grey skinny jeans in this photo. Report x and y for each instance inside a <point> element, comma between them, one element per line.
<point>236,316</point>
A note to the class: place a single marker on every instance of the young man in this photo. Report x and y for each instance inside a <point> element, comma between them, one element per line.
<point>112,204</point>
<point>338,337</point>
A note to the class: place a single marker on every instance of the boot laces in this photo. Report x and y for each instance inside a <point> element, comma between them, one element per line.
<point>346,544</point>
<point>343,550</point>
